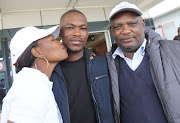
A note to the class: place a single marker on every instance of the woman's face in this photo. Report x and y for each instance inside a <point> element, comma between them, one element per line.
<point>52,50</point>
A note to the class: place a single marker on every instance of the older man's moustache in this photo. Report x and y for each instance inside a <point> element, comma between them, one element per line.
<point>126,36</point>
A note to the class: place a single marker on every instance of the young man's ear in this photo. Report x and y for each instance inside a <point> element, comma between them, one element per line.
<point>36,52</point>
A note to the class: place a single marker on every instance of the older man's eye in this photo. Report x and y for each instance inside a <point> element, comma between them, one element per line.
<point>132,24</point>
<point>117,27</point>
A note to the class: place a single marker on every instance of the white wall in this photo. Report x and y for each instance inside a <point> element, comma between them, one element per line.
<point>170,22</point>
<point>49,17</point>
<point>21,19</point>
<point>0,21</point>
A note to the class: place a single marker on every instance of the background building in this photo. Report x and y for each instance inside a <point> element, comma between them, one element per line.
<point>168,23</point>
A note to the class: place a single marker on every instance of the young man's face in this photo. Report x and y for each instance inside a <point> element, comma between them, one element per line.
<point>74,31</point>
<point>128,31</point>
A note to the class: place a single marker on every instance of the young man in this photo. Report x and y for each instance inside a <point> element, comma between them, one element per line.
<point>80,85</point>
<point>145,73</point>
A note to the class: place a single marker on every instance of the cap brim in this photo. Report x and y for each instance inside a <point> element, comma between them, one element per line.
<point>54,31</point>
<point>126,9</point>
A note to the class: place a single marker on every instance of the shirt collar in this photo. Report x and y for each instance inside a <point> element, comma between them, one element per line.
<point>119,52</point>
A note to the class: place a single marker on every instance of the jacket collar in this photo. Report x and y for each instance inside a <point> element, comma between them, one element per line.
<point>87,54</point>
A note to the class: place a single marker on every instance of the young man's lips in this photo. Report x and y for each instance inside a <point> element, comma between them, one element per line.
<point>76,41</point>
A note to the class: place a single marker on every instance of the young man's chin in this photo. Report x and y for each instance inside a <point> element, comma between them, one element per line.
<point>73,50</point>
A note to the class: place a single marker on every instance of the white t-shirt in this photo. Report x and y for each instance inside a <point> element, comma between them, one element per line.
<point>30,99</point>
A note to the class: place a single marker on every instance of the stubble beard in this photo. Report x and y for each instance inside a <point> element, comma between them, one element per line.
<point>128,49</point>
<point>73,52</point>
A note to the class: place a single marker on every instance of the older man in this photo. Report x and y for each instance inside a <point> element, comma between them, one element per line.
<point>145,72</point>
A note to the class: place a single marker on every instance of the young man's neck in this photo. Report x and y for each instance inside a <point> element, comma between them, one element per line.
<point>75,56</point>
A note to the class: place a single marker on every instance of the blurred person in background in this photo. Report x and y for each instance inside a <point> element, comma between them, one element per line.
<point>178,36</point>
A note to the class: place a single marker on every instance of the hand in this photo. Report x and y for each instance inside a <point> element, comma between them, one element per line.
<point>92,56</point>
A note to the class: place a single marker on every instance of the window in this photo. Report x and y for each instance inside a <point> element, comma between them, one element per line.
<point>1,51</point>
<point>2,87</point>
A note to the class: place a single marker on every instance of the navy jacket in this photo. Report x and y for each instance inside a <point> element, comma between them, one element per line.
<point>98,79</point>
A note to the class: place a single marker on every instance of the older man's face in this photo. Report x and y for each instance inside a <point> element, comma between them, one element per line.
<point>128,31</point>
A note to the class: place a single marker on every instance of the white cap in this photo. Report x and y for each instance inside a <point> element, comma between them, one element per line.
<point>125,6</point>
<point>25,36</point>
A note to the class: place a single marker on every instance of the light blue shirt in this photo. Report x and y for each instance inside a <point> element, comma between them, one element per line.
<point>137,57</point>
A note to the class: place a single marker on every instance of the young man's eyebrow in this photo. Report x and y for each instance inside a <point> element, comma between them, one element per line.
<point>83,25</point>
<point>70,24</point>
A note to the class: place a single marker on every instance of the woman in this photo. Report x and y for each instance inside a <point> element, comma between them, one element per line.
<point>35,53</point>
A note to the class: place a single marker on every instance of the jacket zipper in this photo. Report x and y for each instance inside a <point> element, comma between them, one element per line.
<point>95,103</point>
<point>158,87</point>
<point>99,77</point>
<point>66,94</point>
<point>96,78</point>
<point>94,96</point>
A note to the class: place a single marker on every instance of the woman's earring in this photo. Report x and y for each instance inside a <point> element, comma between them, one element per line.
<point>46,63</point>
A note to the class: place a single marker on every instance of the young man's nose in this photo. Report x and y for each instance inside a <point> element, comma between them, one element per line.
<point>77,32</point>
